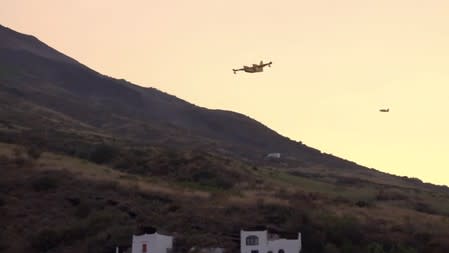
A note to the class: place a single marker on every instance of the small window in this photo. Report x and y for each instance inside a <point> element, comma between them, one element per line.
<point>144,248</point>
<point>254,251</point>
<point>270,251</point>
<point>252,240</point>
<point>281,251</point>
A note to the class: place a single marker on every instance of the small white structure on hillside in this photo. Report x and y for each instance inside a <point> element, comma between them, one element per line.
<point>262,242</point>
<point>274,155</point>
<point>152,243</point>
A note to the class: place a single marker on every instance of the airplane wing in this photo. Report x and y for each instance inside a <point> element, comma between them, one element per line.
<point>235,70</point>
<point>267,64</point>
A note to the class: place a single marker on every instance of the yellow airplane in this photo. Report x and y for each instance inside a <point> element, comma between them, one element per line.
<point>253,69</point>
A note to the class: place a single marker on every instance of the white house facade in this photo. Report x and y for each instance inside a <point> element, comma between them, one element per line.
<point>262,242</point>
<point>152,243</point>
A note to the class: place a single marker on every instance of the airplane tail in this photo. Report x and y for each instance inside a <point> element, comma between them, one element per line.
<point>266,64</point>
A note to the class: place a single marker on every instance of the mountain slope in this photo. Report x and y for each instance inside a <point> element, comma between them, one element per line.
<point>31,72</point>
<point>95,158</point>
<point>17,41</point>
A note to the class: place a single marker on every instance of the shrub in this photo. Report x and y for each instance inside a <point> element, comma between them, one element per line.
<point>46,240</point>
<point>331,248</point>
<point>363,203</point>
<point>374,247</point>
<point>5,161</point>
<point>45,183</point>
<point>3,242</point>
<point>83,210</point>
<point>34,152</point>
<point>73,233</point>
<point>424,208</point>
<point>390,195</point>
<point>20,158</point>
<point>212,179</point>
<point>276,214</point>
<point>344,228</point>
<point>399,248</point>
<point>99,221</point>
<point>103,154</point>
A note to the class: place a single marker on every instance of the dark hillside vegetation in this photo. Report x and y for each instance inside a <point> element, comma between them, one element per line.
<point>76,209</point>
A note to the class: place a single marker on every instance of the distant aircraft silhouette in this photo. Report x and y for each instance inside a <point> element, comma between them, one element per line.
<point>385,110</point>
<point>253,69</point>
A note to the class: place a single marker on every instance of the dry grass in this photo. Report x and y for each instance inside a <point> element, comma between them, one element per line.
<point>91,171</point>
<point>7,149</point>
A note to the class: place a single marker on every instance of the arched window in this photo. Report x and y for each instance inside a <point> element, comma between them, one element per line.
<point>252,240</point>
<point>281,251</point>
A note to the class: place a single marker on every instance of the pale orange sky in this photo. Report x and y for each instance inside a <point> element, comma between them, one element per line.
<point>335,64</point>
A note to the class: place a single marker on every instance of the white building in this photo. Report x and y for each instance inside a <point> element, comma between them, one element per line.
<point>274,155</point>
<point>152,243</point>
<point>262,242</point>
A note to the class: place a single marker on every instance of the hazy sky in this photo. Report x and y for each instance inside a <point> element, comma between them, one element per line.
<point>335,64</point>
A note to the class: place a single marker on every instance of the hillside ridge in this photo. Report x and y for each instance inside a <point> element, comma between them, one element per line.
<point>38,74</point>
